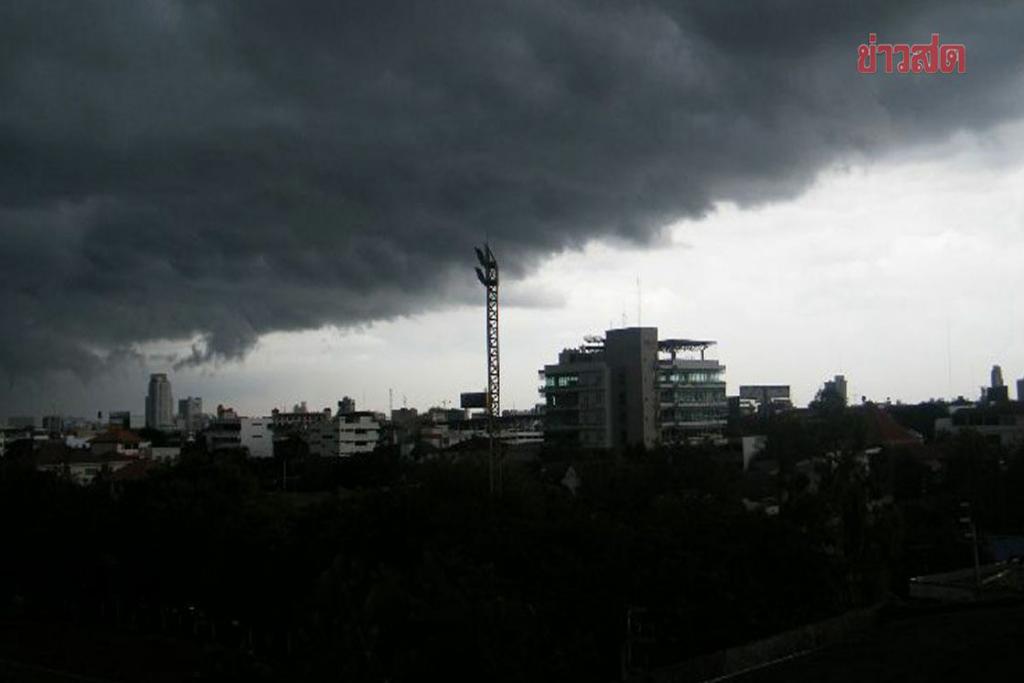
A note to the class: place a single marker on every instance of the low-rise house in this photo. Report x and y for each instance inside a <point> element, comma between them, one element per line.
<point>116,442</point>
<point>1001,423</point>
<point>79,465</point>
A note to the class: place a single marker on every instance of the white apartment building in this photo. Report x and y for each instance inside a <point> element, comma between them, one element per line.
<point>256,435</point>
<point>347,434</point>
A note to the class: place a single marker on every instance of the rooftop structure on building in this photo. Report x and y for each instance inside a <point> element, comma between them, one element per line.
<point>767,397</point>
<point>297,421</point>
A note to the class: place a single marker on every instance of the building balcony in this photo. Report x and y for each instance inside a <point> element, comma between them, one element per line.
<point>692,424</point>
<point>668,384</point>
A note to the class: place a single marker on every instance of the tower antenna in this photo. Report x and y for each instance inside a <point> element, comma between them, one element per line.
<point>639,303</point>
<point>487,273</point>
<point>949,360</point>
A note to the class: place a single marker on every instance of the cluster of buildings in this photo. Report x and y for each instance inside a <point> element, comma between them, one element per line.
<point>348,432</point>
<point>997,418</point>
<point>627,388</point>
<point>82,453</point>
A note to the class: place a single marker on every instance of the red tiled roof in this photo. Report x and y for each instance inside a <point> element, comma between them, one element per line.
<point>883,430</point>
<point>116,436</point>
<point>139,469</point>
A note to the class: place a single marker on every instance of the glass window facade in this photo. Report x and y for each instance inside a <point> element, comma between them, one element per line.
<point>561,381</point>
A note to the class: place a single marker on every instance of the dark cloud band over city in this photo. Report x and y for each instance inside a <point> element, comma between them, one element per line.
<point>219,171</point>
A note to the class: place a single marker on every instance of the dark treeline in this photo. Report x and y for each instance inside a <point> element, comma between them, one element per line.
<point>377,569</point>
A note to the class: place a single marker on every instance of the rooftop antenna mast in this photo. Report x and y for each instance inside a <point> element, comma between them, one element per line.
<point>949,361</point>
<point>487,273</point>
<point>639,303</point>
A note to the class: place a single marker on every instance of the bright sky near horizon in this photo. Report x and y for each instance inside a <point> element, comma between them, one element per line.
<point>901,274</point>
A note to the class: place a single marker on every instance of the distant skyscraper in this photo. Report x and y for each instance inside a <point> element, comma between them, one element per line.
<point>159,403</point>
<point>997,376</point>
<point>190,412</point>
<point>837,385</point>
<point>346,405</point>
<point>840,382</point>
<point>1020,389</point>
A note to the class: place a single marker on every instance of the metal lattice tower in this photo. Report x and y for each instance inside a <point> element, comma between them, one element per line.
<point>488,276</point>
<point>487,273</point>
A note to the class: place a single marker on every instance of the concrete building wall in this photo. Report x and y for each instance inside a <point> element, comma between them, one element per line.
<point>257,436</point>
<point>632,357</point>
<point>346,435</point>
<point>578,405</point>
<point>223,433</point>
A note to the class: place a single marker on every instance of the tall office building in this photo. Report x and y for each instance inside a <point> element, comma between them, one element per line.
<point>159,403</point>
<point>1020,389</point>
<point>997,376</point>
<point>629,388</point>
<point>578,397</point>
<point>691,391</point>
<point>190,413</point>
<point>837,386</point>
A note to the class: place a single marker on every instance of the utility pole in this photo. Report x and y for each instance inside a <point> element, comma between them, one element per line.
<point>487,273</point>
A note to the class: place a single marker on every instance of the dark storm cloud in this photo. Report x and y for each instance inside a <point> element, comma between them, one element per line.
<point>178,169</point>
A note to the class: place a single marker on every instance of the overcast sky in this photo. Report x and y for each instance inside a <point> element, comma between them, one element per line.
<point>277,202</point>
